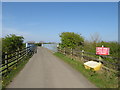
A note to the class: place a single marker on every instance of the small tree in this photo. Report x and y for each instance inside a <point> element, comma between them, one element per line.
<point>12,43</point>
<point>71,39</point>
<point>95,37</point>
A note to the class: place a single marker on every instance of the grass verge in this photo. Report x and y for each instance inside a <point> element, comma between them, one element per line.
<point>6,80</point>
<point>100,79</point>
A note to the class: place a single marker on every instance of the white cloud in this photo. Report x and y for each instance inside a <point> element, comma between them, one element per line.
<point>7,31</point>
<point>28,36</point>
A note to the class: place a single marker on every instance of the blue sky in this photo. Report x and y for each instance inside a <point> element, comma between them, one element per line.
<point>44,21</point>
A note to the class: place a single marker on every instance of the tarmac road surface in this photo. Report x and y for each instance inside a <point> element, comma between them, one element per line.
<point>44,70</point>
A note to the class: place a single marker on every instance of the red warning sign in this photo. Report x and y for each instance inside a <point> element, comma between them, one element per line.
<point>102,50</point>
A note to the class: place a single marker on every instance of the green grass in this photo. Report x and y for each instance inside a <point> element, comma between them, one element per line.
<point>15,70</point>
<point>100,79</point>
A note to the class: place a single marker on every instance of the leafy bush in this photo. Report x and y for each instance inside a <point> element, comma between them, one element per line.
<point>11,43</point>
<point>71,39</point>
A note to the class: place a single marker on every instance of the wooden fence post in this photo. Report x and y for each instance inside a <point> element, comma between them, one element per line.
<point>19,53</point>
<point>100,58</point>
<point>64,50</point>
<point>17,57</point>
<point>82,55</point>
<point>71,52</point>
<point>60,49</point>
<point>6,61</point>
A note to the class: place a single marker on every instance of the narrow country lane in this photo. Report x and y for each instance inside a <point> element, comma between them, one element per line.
<point>45,70</point>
